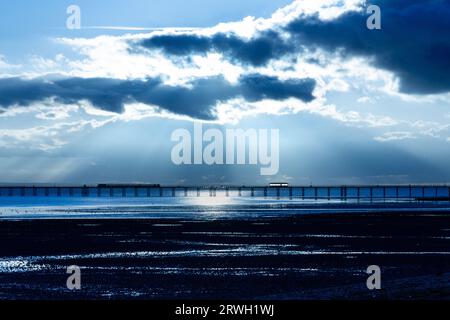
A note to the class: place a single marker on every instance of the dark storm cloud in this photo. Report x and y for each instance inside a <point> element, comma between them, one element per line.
<point>414,42</point>
<point>108,94</point>
<point>197,101</point>
<point>257,51</point>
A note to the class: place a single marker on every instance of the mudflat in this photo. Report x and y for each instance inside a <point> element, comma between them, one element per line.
<point>315,256</point>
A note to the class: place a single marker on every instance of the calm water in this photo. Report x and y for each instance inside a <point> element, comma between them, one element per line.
<point>203,207</point>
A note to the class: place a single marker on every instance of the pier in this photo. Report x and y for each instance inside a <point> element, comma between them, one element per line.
<point>366,193</point>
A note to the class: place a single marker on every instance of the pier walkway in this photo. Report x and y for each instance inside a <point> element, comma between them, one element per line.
<point>374,193</point>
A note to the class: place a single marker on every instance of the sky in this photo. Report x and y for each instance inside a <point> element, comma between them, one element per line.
<point>98,104</point>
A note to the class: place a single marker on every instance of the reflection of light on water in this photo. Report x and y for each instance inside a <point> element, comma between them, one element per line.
<point>16,265</point>
<point>211,201</point>
<point>212,207</point>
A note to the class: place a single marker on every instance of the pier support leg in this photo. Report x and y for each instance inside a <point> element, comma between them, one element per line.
<point>85,191</point>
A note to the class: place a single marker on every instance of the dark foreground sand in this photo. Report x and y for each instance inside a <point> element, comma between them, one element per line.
<point>321,256</point>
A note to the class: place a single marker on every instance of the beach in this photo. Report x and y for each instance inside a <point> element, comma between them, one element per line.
<point>206,253</point>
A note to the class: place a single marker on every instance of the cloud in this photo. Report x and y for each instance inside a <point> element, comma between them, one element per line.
<point>257,51</point>
<point>44,138</point>
<point>285,64</point>
<point>395,136</point>
<point>413,44</point>
<point>365,99</point>
<point>198,100</point>
<point>5,66</point>
<point>415,130</point>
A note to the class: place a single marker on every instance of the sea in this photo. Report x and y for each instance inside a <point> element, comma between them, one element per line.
<point>263,248</point>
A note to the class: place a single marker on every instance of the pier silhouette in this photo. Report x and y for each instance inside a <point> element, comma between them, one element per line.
<point>367,193</point>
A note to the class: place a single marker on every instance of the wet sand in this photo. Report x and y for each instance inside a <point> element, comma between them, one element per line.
<point>318,256</point>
